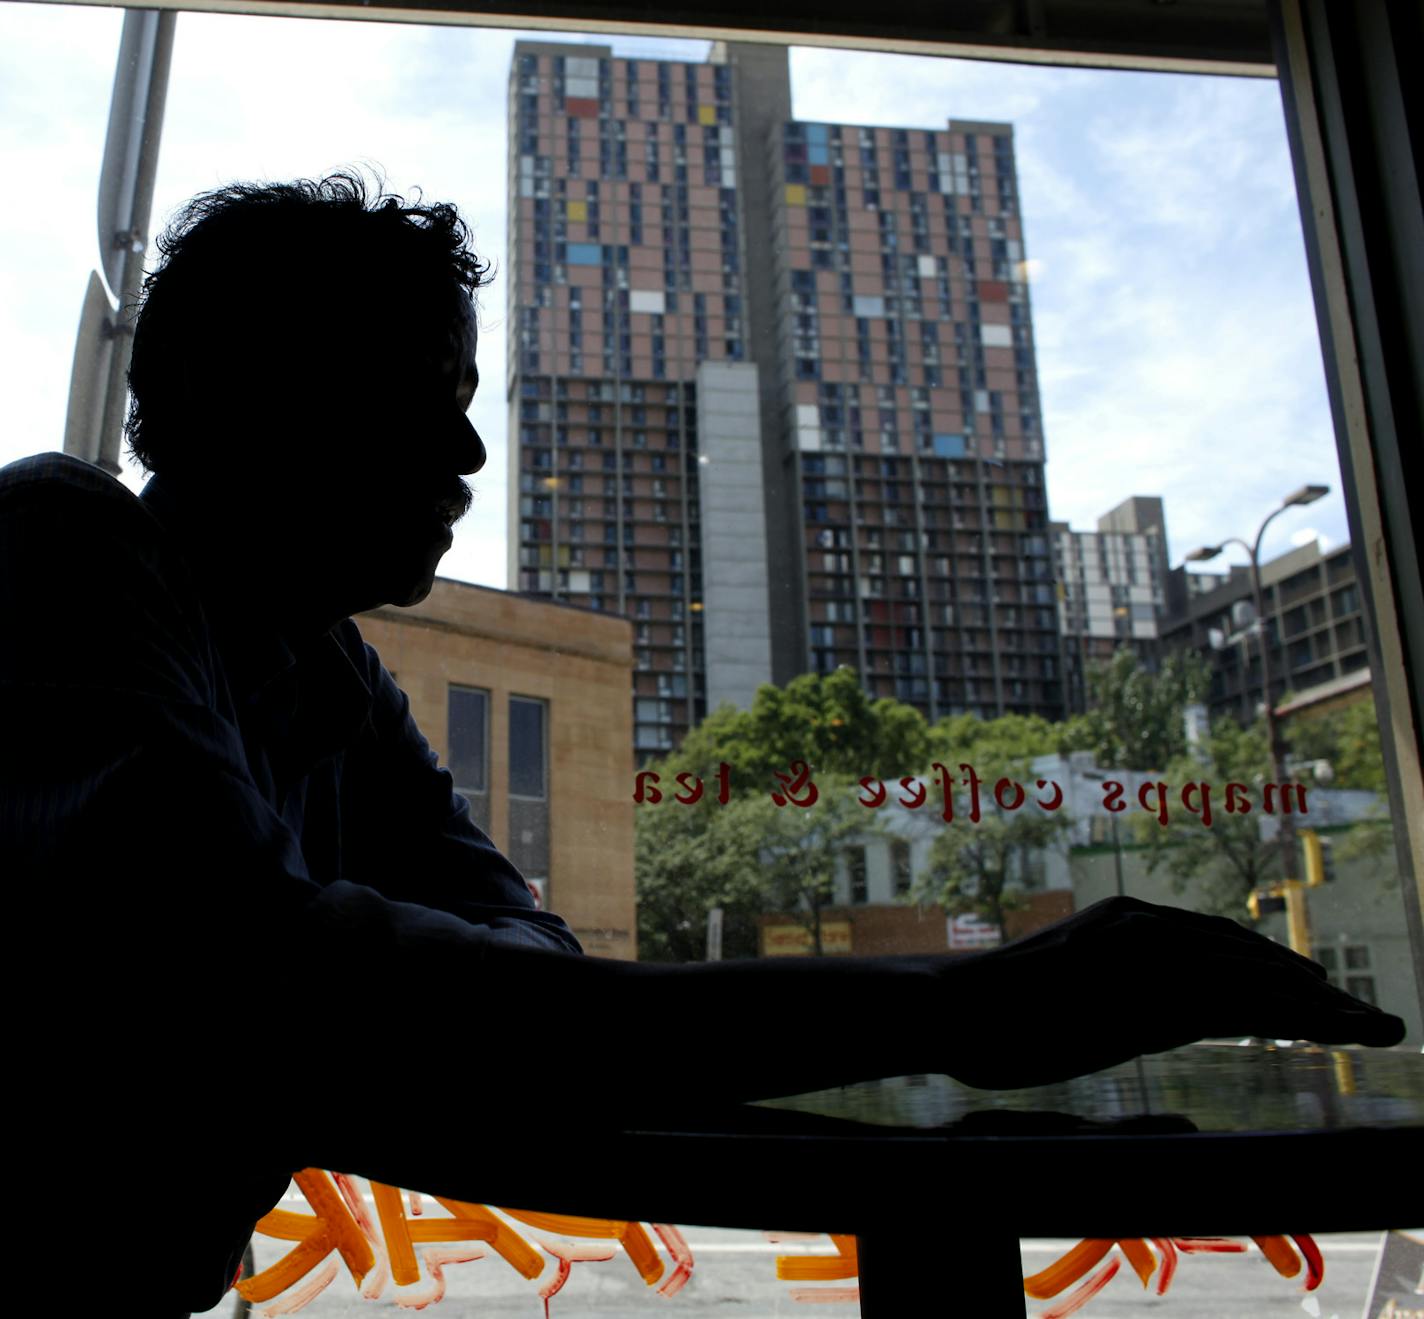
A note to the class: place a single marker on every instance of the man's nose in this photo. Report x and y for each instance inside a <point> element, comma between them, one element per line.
<point>467,449</point>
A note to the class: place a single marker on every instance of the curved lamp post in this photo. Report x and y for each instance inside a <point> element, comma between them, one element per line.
<point>1295,897</point>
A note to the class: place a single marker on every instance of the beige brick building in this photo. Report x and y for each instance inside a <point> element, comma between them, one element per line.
<point>527,703</point>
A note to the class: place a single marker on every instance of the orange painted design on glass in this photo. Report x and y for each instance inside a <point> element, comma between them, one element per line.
<point>635,1241</point>
<point>1077,1299</point>
<point>341,1222</point>
<point>405,1270</point>
<point>1314,1264</point>
<point>821,1268</point>
<point>329,1227</point>
<point>1281,1254</point>
<point>1169,1263</point>
<point>1139,1255</point>
<point>681,1254</point>
<point>1069,1268</point>
<point>384,1247</point>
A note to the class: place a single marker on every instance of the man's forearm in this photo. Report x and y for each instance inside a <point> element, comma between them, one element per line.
<point>723,1032</point>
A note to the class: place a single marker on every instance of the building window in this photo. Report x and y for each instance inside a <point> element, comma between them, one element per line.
<point>900,873</point>
<point>855,866</point>
<point>1348,967</point>
<point>467,728</point>
<point>468,714</point>
<point>528,788</point>
<point>526,748</point>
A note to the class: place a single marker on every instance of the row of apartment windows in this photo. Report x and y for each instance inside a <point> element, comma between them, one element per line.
<point>605,391</point>
<point>953,697</point>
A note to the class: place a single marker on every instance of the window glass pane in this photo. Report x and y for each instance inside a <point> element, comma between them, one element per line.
<point>468,711</point>
<point>526,748</point>
<point>856,870</point>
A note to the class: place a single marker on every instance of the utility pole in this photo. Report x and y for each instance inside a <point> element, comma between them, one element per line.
<point>1294,888</point>
<point>98,388</point>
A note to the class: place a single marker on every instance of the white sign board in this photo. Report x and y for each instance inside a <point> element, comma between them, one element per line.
<point>972,932</point>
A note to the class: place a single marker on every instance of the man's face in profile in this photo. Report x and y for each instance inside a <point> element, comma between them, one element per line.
<point>400,442</point>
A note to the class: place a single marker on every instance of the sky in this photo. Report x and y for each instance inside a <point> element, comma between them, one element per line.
<point>1176,339</point>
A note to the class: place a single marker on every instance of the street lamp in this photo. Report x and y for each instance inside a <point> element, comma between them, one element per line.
<point>1295,897</point>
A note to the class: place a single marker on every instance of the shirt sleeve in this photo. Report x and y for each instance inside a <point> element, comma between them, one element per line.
<point>409,833</point>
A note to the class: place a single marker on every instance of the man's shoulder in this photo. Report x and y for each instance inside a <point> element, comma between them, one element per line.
<point>59,471</point>
<point>77,501</point>
<point>60,479</point>
<point>74,540</point>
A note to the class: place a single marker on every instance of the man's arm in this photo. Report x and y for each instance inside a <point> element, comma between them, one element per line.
<point>408,833</point>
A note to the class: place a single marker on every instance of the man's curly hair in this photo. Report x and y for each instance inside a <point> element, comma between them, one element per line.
<point>258,284</point>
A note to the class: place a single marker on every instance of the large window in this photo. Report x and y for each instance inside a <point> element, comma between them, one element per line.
<point>527,748</point>
<point>528,773</point>
<point>1034,335</point>
<point>468,739</point>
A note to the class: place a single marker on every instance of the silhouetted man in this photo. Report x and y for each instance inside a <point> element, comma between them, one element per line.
<point>248,879</point>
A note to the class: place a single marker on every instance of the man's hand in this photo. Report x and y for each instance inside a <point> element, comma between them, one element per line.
<point>1126,977</point>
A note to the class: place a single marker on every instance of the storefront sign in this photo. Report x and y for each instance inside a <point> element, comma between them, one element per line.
<point>973,932</point>
<point>791,940</point>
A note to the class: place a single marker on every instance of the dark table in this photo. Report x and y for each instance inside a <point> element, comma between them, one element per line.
<point>1208,1140</point>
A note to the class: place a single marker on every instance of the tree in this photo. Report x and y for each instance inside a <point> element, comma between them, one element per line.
<point>801,848</point>
<point>1348,738</point>
<point>749,856</point>
<point>987,868</point>
<point>688,860</point>
<point>958,739</point>
<point>1135,717</point>
<point>1226,861</point>
<point>825,720</point>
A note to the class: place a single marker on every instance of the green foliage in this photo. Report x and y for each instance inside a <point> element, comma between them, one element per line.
<point>1135,719</point>
<point>751,856</point>
<point>748,857</point>
<point>801,846</point>
<point>1348,738</point>
<point>1224,862</point>
<point>967,739</point>
<point>987,869</point>
<point>825,720</point>
<point>687,860</point>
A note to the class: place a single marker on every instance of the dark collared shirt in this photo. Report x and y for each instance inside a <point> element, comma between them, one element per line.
<point>216,840</point>
<point>306,773</point>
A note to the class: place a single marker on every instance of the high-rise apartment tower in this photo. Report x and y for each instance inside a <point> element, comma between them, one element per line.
<point>772,388</point>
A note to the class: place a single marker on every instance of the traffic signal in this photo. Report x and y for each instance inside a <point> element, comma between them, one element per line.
<point>1317,865</point>
<point>1265,902</point>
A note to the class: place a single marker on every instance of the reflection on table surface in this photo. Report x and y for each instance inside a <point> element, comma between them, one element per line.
<point>1215,1087</point>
